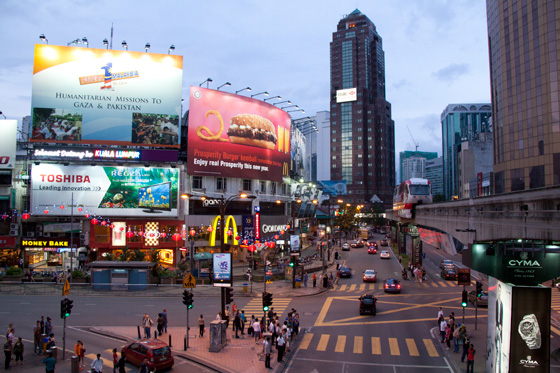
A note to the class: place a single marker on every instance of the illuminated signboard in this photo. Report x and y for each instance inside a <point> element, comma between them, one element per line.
<point>45,243</point>
<point>231,135</point>
<point>149,155</point>
<point>222,269</point>
<point>8,144</point>
<point>346,95</point>
<point>99,96</point>
<point>105,191</point>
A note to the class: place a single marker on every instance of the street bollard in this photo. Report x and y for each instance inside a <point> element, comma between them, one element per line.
<point>74,364</point>
<point>169,340</point>
<point>139,335</point>
<point>185,343</point>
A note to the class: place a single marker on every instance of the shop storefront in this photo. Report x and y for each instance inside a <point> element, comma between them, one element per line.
<point>9,255</point>
<point>48,253</point>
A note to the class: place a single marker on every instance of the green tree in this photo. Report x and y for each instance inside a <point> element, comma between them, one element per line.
<point>347,220</point>
<point>126,254</point>
<point>109,256</point>
<point>138,256</point>
<point>153,256</point>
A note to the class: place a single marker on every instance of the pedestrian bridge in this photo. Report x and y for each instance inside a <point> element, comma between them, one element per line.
<point>529,215</point>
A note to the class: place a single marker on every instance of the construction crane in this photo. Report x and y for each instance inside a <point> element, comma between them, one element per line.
<point>412,137</point>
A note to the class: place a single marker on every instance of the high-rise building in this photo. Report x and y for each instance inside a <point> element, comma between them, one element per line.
<point>434,173</point>
<point>317,152</point>
<point>523,39</point>
<point>362,146</point>
<point>460,122</point>
<point>413,164</point>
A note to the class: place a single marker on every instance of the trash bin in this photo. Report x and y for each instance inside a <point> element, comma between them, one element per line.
<point>244,288</point>
<point>298,283</point>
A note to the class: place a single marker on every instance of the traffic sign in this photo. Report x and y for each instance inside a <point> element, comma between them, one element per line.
<point>189,281</point>
<point>464,276</point>
<point>66,288</point>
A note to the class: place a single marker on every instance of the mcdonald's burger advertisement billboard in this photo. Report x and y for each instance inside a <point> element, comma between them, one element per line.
<point>99,96</point>
<point>235,136</point>
<point>104,191</point>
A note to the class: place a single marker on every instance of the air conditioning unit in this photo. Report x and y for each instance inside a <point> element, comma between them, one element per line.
<point>14,232</point>
<point>30,234</point>
<point>46,234</point>
<point>84,239</point>
<point>13,226</point>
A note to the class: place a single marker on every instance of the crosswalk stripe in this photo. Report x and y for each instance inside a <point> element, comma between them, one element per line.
<point>372,286</point>
<point>323,342</point>
<point>434,284</point>
<point>304,345</point>
<point>352,287</point>
<point>375,346</point>
<point>555,330</point>
<point>412,349</point>
<point>340,343</point>
<point>362,287</point>
<point>343,287</point>
<point>430,347</point>
<point>442,283</point>
<point>394,346</point>
<point>358,344</point>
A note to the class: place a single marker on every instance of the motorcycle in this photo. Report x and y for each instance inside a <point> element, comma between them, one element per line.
<point>404,275</point>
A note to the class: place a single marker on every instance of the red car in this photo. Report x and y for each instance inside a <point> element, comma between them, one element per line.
<point>155,351</point>
<point>372,250</point>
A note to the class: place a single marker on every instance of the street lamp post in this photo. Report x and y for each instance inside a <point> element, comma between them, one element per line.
<point>294,229</point>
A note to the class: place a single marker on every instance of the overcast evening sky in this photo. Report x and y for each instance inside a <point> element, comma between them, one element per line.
<point>436,51</point>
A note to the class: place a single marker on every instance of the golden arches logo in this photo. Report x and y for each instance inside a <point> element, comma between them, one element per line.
<point>229,219</point>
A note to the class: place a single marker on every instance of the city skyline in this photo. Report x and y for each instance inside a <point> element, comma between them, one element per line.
<point>435,53</point>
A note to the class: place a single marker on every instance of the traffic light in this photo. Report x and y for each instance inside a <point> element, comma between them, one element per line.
<point>464,302</point>
<point>267,301</point>
<point>66,308</point>
<point>292,261</point>
<point>229,295</point>
<point>188,299</point>
<point>478,289</point>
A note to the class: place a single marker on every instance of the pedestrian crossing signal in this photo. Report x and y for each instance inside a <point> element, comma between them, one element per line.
<point>229,295</point>
<point>66,308</point>
<point>464,302</point>
<point>267,301</point>
<point>188,299</point>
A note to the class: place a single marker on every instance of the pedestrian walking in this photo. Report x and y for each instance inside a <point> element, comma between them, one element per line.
<point>470,359</point>
<point>219,316</point>
<point>97,365</point>
<point>448,336</point>
<point>439,314</point>
<point>243,321</point>
<point>296,324</point>
<point>201,326</point>
<point>48,326</point>
<point>164,315</point>
<point>267,352</point>
<point>456,340</point>
<point>18,351</point>
<point>144,367</point>
<point>50,363</point>
<point>12,335</point>
<point>442,328</point>
<point>305,279</point>
<point>314,280</point>
<point>7,353</point>
<point>37,348</point>
<point>237,324</point>
<point>281,346</point>
<point>159,325</point>
<point>257,330</point>
<point>115,360</point>
<point>226,316</point>
<point>147,325</point>
<point>337,277</point>
<point>80,352</point>
<point>43,325</point>
<point>466,344</point>
<point>122,363</point>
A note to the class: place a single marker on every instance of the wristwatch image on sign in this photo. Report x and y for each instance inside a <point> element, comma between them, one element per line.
<point>530,332</point>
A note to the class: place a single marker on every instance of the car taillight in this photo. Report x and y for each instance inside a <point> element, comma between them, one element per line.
<point>150,356</point>
<point>386,285</point>
<point>398,286</point>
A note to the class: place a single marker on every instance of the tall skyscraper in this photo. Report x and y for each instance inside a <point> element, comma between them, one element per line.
<point>362,143</point>
<point>523,39</point>
<point>413,164</point>
<point>460,122</point>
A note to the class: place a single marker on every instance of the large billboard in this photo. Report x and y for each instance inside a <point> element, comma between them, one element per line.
<point>236,136</point>
<point>99,96</point>
<point>346,95</point>
<point>103,191</point>
<point>8,144</point>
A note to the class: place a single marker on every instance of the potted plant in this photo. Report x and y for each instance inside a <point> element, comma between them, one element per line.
<point>79,277</point>
<point>13,273</point>
<point>166,276</point>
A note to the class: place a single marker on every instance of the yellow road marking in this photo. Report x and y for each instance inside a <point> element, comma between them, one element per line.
<point>372,286</point>
<point>340,343</point>
<point>394,346</point>
<point>430,347</point>
<point>362,287</point>
<point>304,345</point>
<point>358,344</point>
<point>434,284</point>
<point>375,346</point>
<point>412,349</point>
<point>343,287</point>
<point>442,283</point>
<point>555,330</point>
<point>352,287</point>
<point>323,342</point>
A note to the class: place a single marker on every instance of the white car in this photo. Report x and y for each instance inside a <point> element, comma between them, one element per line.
<point>385,255</point>
<point>345,247</point>
<point>370,276</point>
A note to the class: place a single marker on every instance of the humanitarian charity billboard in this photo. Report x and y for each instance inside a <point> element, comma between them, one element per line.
<point>99,96</point>
<point>103,191</point>
<point>236,136</point>
<point>8,144</point>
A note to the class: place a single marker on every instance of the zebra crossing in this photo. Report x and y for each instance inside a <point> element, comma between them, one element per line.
<point>369,345</point>
<point>255,307</point>
<point>350,288</point>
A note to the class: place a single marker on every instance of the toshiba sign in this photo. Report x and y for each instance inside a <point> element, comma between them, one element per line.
<point>346,95</point>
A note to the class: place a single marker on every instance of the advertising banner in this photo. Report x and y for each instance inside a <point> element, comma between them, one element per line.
<point>499,326</point>
<point>104,191</point>
<point>222,269</point>
<point>294,244</point>
<point>333,187</point>
<point>346,95</point>
<point>8,144</point>
<point>99,96</point>
<point>236,136</point>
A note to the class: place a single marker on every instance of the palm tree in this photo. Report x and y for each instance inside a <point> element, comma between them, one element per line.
<point>125,254</point>
<point>138,256</point>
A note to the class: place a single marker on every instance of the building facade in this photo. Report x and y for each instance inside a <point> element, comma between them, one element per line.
<point>460,122</point>
<point>434,173</point>
<point>362,147</point>
<point>474,159</point>
<point>523,41</point>
<point>413,164</point>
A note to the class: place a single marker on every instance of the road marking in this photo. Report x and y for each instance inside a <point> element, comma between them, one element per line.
<point>358,344</point>
<point>304,345</point>
<point>434,284</point>
<point>375,346</point>
<point>394,346</point>
<point>350,363</point>
<point>352,287</point>
<point>372,286</point>
<point>430,347</point>
<point>343,287</point>
<point>323,342</point>
<point>362,287</point>
<point>340,343</point>
<point>412,349</point>
<point>555,330</point>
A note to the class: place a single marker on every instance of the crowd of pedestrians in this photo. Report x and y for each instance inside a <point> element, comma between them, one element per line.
<point>450,332</point>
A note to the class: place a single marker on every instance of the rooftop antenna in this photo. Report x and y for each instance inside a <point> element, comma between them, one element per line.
<point>412,137</point>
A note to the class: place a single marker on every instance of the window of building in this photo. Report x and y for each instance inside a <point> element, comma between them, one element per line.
<point>247,184</point>
<point>197,182</point>
<point>536,177</point>
<point>102,233</point>
<point>221,183</point>
<point>263,186</point>
<point>333,131</point>
<point>273,187</point>
<point>284,188</point>
<point>517,179</point>
<point>360,138</point>
<point>135,228</point>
